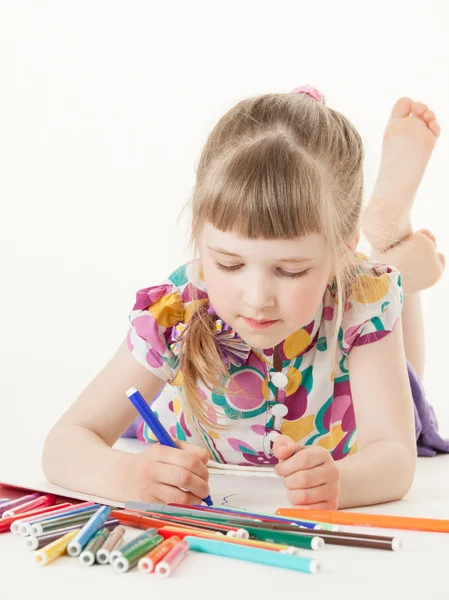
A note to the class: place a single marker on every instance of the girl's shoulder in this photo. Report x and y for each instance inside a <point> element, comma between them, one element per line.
<point>174,299</point>
<point>374,302</point>
<point>159,314</point>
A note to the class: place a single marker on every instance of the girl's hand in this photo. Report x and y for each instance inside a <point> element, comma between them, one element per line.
<point>310,474</point>
<point>166,475</point>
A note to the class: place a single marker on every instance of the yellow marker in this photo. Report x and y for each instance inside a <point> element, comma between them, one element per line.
<point>54,550</point>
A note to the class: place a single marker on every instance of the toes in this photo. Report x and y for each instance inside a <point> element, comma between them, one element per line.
<point>434,127</point>
<point>429,234</point>
<point>419,108</point>
<point>402,108</point>
<point>442,260</point>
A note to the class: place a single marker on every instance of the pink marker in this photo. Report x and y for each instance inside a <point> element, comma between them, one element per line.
<point>14,503</point>
<point>41,502</point>
<point>22,524</point>
<point>168,564</point>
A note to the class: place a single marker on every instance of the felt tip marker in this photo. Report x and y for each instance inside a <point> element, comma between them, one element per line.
<point>153,423</point>
<point>95,523</point>
<point>129,559</point>
<point>168,564</point>
<point>114,540</point>
<point>258,555</point>
<point>372,520</point>
<point>57,548</point>
<point>42,502</point>
<point>147,563</point>
<point>18,502</point>
<point>136,542</point>
<point>13,523</point>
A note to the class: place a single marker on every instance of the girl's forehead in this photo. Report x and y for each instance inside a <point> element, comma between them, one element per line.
<point>309,247</point>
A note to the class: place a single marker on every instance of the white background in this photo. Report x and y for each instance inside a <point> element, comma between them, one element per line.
<point>104,108</point>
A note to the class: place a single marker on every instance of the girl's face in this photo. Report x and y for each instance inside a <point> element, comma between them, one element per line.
<point>280,281</point>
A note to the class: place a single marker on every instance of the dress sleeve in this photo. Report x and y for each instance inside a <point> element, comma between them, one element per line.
<point>374,306</point>
<point>156,311</point>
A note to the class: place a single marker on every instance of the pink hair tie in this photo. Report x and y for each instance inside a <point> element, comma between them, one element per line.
<point>311,91</point>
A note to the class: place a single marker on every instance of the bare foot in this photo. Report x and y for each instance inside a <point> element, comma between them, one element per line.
<point>417,259</point>
<point>408,142</point>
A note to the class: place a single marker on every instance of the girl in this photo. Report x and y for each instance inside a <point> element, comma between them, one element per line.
<point>281,343</point>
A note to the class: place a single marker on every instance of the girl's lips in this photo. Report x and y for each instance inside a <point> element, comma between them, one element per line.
<point>259,324</point>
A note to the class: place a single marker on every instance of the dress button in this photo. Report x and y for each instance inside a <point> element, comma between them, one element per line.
<point>279,379</point>
<point>278,410</point>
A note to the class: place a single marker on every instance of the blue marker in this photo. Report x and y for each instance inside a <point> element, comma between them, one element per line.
<point>153,423</point>
<point>274,520</point>
<point>95,523</point>
<point>258,555</point>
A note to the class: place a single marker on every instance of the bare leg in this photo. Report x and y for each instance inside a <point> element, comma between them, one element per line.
<point>408,143</point>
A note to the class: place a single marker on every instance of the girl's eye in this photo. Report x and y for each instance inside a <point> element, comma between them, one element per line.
<point>282,273</point>
<point>225,268</point>
<point>294,275</point>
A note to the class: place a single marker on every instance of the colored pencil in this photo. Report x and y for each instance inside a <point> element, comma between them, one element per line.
<point>153,423</point>
<point>371,520</point>
<point>266,557</point>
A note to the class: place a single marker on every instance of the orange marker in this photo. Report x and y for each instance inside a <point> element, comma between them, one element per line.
<point>368,520</point>
<point>147,563</point>
<point>168,532</point>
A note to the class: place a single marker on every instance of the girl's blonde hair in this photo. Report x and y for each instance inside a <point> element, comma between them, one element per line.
<point>276,166</point>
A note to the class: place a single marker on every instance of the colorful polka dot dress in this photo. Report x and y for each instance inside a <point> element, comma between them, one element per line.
<point>306,400</point>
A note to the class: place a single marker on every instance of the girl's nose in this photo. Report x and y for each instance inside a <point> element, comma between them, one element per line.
<point>257,295</point>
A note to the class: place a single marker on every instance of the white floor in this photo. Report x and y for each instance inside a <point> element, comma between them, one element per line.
<point>416,571</point>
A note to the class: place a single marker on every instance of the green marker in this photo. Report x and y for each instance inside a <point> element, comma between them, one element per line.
<point>288,538</point>
<point>131,557</point>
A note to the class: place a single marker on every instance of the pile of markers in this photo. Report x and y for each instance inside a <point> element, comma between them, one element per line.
<point>166,534</point>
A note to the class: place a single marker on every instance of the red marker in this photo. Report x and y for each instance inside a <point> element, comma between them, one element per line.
<point>6,524</point>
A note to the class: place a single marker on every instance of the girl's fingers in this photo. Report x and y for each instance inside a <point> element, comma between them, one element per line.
<point>201,453</point>
<point>317,495</point>
<point>309,478</point>
<point>284,447</point>
<point>177,477</point>
<point>168,494</point>
<point>306,458</point>
<point>186,460</point>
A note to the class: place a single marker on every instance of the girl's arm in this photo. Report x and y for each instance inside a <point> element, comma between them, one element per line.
<point>383,467</point>
<point>78,453</point>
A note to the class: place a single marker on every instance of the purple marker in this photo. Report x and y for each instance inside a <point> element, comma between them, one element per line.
<point>14,503</point>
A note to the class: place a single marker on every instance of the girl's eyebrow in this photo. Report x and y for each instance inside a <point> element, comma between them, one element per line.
<point>293,259</point>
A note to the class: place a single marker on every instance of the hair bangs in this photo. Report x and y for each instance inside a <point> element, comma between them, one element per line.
<point>263,190</point>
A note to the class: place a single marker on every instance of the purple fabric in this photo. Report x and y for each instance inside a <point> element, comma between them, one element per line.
<point>428,440</point>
